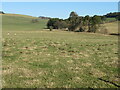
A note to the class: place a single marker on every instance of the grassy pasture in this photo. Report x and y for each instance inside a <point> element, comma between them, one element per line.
<point>110,19</point>
<point>112,27</point>
<point>59,59</point>
<point>33,57</point>
<point>21,22</point>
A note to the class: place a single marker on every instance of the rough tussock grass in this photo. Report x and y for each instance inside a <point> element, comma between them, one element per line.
<point>59,59</point>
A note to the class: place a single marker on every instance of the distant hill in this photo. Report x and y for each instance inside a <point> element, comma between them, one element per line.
<point>25,22</point>
<point>22,22</point>
<point>112,15</point>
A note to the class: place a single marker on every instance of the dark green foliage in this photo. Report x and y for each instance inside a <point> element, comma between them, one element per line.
<point>51,22</point>
<point>60,24</point>
<point>57,23</point>
<point>112,15</point>
<point>86,22</point>
<point>115,15</point>
<point>96,19</point>
<point>77,23</point>
<point>73,14</point>
<point>81,24</point>
<point>94,23</point>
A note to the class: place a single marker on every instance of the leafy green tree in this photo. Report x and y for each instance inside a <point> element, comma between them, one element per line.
<point>57,23</point>
<point>52,22</point>
<point>63,24</point>
<point>73,14</point>
<point>75,21</point>
<point>86,21</point>
<point>96,19</point>
<point>94,23</point>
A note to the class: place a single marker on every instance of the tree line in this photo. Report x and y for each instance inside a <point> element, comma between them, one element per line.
<point>113,15</point>
<point>77,23</point>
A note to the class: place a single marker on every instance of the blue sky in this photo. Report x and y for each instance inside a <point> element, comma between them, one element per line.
<point>59,9</point>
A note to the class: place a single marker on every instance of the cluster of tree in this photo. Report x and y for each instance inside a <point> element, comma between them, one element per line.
<point>113,15</point>
<point>77,23</point>
<point>56,23</point>
<point>87,23</point>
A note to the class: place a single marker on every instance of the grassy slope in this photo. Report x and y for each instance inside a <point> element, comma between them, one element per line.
<point>110,19</point>
<point>57,58</point>
<point>112,27</point>
<point>21,22</point>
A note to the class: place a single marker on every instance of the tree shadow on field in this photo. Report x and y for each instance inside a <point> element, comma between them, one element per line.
<point>116,34</point>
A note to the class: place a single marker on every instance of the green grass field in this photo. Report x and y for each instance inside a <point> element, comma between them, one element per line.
<point>36,58</point>
<point>110,19</point>
<point>21,22</point>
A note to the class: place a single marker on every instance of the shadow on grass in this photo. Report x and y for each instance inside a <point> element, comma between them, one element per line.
<point>116,34</point>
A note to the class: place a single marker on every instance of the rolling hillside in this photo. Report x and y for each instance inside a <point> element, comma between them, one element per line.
<point>112,27</point>
<point>24,22</point>
<point>21,22</point>
<point>36,58</point>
